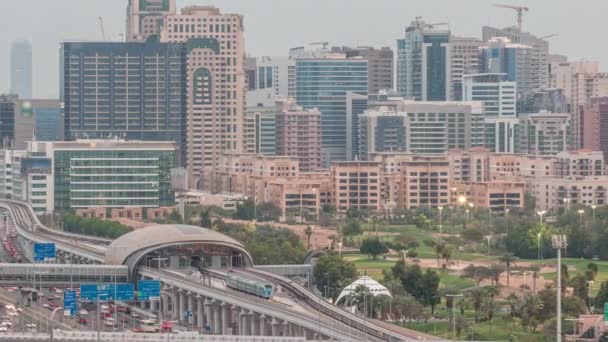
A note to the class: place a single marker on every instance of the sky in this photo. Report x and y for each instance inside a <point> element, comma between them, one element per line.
<point>274,26</point>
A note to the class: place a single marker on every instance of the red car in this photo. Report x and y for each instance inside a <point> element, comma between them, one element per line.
<point>82,320</point>
<point>138,330</point>
<point>167,326</point>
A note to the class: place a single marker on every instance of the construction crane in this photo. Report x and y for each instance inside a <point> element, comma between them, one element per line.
<point>520,13</point>
<point>103,31</point>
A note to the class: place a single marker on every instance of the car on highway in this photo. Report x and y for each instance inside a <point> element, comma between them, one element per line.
<point>46,306</point>
<point>167,326</point>
<point>83,312</point>
<point>3,329</point>
<point>82,320</point>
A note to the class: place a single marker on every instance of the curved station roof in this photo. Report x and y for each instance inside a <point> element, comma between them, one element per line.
<point>131,247</point>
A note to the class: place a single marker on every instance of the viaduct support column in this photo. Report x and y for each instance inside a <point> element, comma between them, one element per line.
<point>275,327</point>
<point>262,326</point>
<point>191,308</point>
<point>225,312</point>
<point>182,306</point>
<point>200,321</point>
<point>255,324</point>
<point>219,320</point>
<point>174,303</point>
<point>208,311</point>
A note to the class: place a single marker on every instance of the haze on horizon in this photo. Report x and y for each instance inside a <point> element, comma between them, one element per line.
<point>274,26</point>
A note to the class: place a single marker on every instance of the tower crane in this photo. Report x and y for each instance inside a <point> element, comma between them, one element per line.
<point>520,13</point>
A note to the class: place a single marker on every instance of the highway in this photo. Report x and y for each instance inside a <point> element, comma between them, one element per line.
<point>319,315</point>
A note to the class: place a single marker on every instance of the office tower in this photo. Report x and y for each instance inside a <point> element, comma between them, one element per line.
<point>147,17</point>
<point>323,83</point>
<point>37,120</point>
<point>299,136</point>
<point>261,121</point>
<point>131,90</point>
<point>8,108</point>
<point>77,183</point>
<point>423,63</point>
<point>543,133</point>
<point>273,73</point>
<point>539,54</point>
<point>500,55</point>
<point>464,59</point>
<point>594,126</point>
<point>424,127</point>
<point>380,65</point>
<point>499,98</point>
<point>21,69</point>
<point>216,83</point>
<point>356,105</point>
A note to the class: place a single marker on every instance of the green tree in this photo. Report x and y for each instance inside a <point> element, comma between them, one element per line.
<point>352,228</point>
<point>602,295</point>
<point>495,271</point>
<point>477,273</point>
<point>334,272</point>
<point>373,246</point>
<point>430,285</point>
<point>580,287</point>
<point>423,223</point>
<point>244,210</point>
<point>206,218</point>
<point>476,297</point>
<point>592,271</point>
<point>267,211</point>
<point>529,310</point>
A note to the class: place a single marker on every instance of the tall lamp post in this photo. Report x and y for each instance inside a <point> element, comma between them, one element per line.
<point>541,213</point>
<point>440,227</point>
<point>589,284</point>
<point>593,211</point>
<point>454,314</point>
<point>580,216</point>
<point>507,220</point>
<point>538,246</point>
<point>559,242</point>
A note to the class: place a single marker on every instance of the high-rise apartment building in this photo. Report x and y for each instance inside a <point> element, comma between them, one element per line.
<point>543,133</point>
<point>380,64</point>
<point>356,105</point>
<point>147,17</point>
<point>21,69</point>
<point>539,53</point>
<point>595,125</point>
<point>423,63</point>
<point>260,131</point>
<point>26,120</point>
<point>383,132</point>
<point>299,136</point>
<point>464,59</point>
<point>323,83</point>
<point>131,90</point>
<point>272,73</point>
<point>8,109</point>
<point>215,87</point>
<point>500,55</point>
<point>499,98</point>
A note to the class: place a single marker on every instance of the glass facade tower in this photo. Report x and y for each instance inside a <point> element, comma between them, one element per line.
<point>323,83</point>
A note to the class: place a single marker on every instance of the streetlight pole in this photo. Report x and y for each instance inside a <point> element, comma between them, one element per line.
<point>538,246</point>
<point>559,242</point>
<point>440,228</point>
<point>593,211</point>
<point>507,221</point>
<point>489,238</point>
<point>580,216</point>
<point>454,314</point>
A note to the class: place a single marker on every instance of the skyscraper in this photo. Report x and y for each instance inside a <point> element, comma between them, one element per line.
<point>499,98</point>
<point>423,62</point>
<point>543,133</point>
<point>216,84</point>
<point>323,83</point>
<point>500,55</point>
<point>125,90</point>
<point>539,54</point>
<point>380,65</point>
<point>464,59</point>
<point>21,69</point>
<point>147,17</point>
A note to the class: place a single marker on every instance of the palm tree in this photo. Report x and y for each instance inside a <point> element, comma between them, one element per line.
<point>509,260</point>
<point>308,233</point>
<point>535,274</point>
<point>358,298</point>
<point>476,296</point>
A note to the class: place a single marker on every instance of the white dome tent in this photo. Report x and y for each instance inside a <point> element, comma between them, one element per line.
<point>374,287</point>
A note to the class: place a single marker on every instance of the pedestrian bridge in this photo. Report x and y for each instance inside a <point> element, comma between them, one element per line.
<point>58,274</point>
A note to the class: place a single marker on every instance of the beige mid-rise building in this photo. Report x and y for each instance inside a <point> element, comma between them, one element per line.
<point>356,185</point>
<point>216,79</point>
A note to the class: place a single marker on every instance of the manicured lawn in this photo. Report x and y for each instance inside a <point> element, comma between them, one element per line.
<point>579,266</point>
<point>455,282</point>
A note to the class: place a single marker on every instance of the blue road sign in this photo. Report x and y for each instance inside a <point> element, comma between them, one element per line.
<point>107,292</point>
<point>70,306</point>
<point>187,314</point>
<point>44,251</point>
<point>148,289</point>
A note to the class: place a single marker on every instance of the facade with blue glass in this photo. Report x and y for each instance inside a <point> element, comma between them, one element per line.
<point>323,83</point>
<point>135,91</point>
<point>423,63</point>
